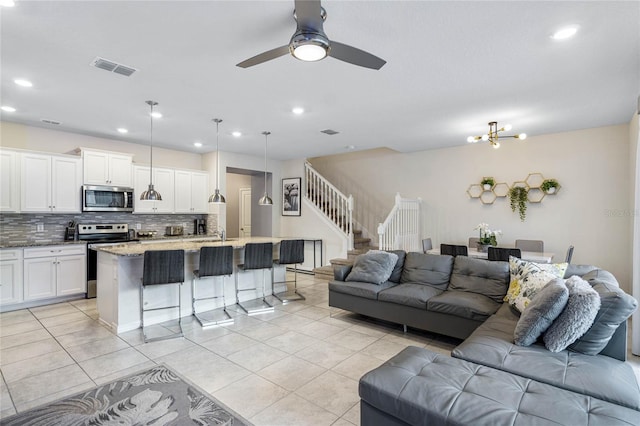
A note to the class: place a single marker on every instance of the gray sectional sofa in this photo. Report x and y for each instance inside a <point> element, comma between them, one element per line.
<point>488,379</point>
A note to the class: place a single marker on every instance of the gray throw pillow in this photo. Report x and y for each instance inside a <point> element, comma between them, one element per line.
<point>576,318</point>
<point>396,274</point>
<point>615,307</point>
<point>539,314</point>
<point>373,267</point>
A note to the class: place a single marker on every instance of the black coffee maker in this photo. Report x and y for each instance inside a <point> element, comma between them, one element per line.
<point>200,226</point>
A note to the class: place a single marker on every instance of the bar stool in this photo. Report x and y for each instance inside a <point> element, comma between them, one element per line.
<point>214,262</point>
<point>291,253</point>
<point>162,267</point>
<point>256,256</point>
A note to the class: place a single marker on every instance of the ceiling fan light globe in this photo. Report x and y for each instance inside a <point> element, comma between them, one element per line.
<point>309,52</point>
<point>309,47</point>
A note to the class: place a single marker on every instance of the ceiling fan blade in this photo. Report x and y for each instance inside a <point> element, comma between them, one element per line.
<point>264,57</point>
<point>355,56</point>
<point>308,14</point>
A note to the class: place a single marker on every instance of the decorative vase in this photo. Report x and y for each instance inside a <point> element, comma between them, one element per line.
<point>482,248</point>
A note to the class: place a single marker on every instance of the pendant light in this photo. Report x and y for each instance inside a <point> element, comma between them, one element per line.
<point>217,197</point>
<point>265,200</point>
<point>151,194</point>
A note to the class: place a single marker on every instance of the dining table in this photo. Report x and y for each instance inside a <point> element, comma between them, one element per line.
<point>531,256</point>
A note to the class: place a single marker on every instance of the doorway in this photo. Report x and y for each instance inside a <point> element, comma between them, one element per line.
<point>244,221</point>
<point>257,218</point>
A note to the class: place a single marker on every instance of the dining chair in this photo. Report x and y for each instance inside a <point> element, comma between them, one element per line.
<point>256,256</point>
<point>426,245</point>
<point>569,254</point>
<point>473,242</point>
<point>530,245</point>
<point>291,253</point>
<point>161,267</point>
<point>502,253</point>
<point>453,250</point>
<point>215,262</point>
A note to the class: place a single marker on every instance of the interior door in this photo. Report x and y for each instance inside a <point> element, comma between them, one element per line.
<point>245,213</point>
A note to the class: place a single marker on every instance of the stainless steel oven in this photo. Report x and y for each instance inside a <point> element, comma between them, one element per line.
<point>95,234</point>
<point>107,199</point>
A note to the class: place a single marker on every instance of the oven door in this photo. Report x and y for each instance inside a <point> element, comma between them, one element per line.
<point>107,199</point>
<point>92,263</point>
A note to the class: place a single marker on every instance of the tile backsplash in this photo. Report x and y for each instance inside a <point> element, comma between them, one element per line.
<point>17,228</point>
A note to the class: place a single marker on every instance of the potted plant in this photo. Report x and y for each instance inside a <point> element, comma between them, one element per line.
<point>549,186</point>
<point>518,199</point>
<point>487,183</point>
<point>487,236</point>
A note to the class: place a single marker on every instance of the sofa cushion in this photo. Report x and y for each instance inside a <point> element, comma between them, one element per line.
<point>360,289</point>
<point>420,387</point>
<point>599,376</point>
<point>539,315</point>
<point>463,304</point>
<point>577,316</point>
<point>409,294</point>
<point>374,266</point>
<point>578,270</point>
<point>396,274</point>
<point>616,306</point>
<point>432,269</point>
<point>480,276</point>
<point>527,278</point>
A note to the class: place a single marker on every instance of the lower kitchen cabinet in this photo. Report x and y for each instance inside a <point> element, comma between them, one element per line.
<point>10,276</point>
<point>54,271</point>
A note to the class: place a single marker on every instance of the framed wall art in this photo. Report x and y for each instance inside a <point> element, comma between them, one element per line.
<point>291,196</point>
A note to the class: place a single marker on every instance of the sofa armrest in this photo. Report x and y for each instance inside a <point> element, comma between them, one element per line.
<point>340,272</point>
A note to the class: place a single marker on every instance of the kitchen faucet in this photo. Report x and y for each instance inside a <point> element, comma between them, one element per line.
<point>221,233</point>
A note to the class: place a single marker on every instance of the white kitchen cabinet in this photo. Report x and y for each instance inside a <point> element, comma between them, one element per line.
<point>9,182</point>
<point>50,183</point>
<point>10,276</point>
<point>191,193</point>
<point>52,271</point>
<point>163,182</point>
<point>106,168</point>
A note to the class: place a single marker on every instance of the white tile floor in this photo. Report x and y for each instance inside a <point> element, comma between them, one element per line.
<point>297,365</point>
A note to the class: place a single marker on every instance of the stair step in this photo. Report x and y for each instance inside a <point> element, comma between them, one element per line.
<point>325,272</point>
<point>341,262</point>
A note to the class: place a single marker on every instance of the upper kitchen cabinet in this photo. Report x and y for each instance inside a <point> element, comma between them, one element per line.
<point>9,182</point>
<point>50,183</point>
<point>191,194</point>
<point>106,168</point>
<point>163,182</point>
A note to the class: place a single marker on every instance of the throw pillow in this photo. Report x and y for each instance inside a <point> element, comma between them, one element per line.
<point>616,307</point>
<point>545,307</point>
<point>576,318</point>
<point>374,266</point>
<point>396,274</point>
<point>527,278</point>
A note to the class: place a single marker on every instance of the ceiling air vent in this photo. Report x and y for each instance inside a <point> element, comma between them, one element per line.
<point>107,65</point>
<point>53,122</point>
<point>329,132</point>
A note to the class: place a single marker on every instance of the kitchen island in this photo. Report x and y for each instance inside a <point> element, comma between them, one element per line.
<point>119,274</point>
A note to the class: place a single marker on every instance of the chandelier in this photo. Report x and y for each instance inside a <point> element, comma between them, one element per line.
<point>494,135</point>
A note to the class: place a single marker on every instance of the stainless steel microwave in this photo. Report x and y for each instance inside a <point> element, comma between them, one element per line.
<point>107,199</point>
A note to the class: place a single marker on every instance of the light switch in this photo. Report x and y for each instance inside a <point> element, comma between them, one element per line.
<point>40,227</point>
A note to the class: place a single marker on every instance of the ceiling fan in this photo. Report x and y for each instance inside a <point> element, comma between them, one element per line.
<point>310,43</point>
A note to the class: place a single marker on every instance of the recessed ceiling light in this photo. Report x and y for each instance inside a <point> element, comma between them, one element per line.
<point>197,144</point>
<point>236,134</point>
<point>7,3</point>
<point>122,130</point>
<point>7,108</point>
<point>23,82</point>
<point>350,147</point>
<point>298,110</point>
<point>156,114</point>
<point>565,33</point>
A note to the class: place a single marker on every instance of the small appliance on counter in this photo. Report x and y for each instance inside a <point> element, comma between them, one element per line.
<point>200,226</point>
<point>173,231</point>
<point>70,231</point>
<point>146,234</point>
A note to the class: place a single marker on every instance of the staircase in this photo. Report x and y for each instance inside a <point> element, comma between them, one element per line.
<point>360,245</point>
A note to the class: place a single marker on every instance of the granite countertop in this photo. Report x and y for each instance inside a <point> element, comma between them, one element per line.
<point>188,245</point>
<point>36,243</point>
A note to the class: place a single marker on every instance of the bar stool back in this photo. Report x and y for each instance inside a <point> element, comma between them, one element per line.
<point>214,262</point>
<point>291,253</point>
<point>256,256</point>
<point>502,253</point>
<point>162,267</point>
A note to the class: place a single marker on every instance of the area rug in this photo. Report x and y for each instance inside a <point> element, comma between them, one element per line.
<point>157,396</point>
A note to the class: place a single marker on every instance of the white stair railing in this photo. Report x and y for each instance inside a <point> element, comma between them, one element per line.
<point>336,206</point>
<point>401,229</point>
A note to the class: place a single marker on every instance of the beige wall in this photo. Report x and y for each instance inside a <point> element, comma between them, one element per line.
<point>14,135</point>
<point>589,211</point>
<point>634,217</point>
<point>234,183</point>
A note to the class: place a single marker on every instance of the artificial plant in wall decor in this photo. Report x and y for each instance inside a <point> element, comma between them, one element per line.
<point>532,190</point>
<point>488,190</point>
<point>518,200</point>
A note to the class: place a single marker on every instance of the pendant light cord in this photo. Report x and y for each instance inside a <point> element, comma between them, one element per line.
<point>266,135</point>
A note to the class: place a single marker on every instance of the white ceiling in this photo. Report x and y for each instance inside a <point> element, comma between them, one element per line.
<point>451,68</point>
